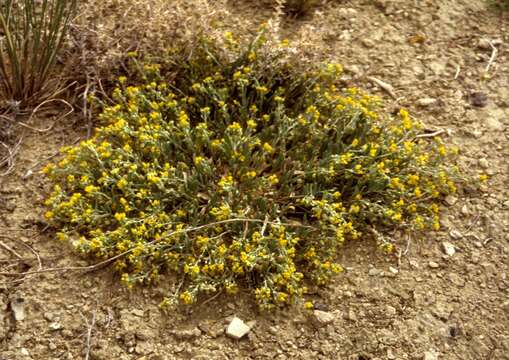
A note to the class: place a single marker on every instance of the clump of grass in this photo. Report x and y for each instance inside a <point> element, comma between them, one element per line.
<point>33,33</point>
<point>243,173</point>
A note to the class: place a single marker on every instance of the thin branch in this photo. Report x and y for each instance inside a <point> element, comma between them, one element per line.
<point>90,327</point>
<point>12,251</point>
<point>383,85</point>
<point>433,134</point>
<point>494,52</point>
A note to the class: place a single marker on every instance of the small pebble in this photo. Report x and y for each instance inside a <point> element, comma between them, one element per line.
<point>433,265</point>
<point>483,162</point>
<point>323,317</point>
<point>449,249</point>
<point>393,270</point>
<point>484,44</point>
<point>455,234</point>
<point>373,272</point>
<point>425,102</point>
<point>451,200</point>
<point>237,328</point>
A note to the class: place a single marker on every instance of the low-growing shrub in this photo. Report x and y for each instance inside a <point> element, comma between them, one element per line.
<point>243,173</point>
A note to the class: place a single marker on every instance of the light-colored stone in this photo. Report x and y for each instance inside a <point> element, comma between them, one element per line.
<point>430,355</point>
<point>373,272</point>
<point>449,249</point>
<point>495,119</point>
<point>456,279</point>
<point>237,328</point>
<point>323,317</point>
<point>425,102</point>
<point>138,312</point>
<point>351,315</point>
<point>390,311</point>
<point>18,309</point>
<point>433,265</point>
<point>186,334</point>
<point>456,235</point>
<point>54,326</point>
<point>484,44</point>
<point>414,263</point>
<point>451,200</point>
<point>483,162</point>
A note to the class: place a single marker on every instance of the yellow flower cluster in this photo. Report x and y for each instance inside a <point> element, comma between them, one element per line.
<point>237,178</point>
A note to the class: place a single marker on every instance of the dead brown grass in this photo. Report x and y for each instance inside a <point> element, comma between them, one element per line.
<point>106,30</point>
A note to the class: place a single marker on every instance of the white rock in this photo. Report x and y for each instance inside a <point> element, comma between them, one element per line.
<point>451,200</point>
<point>433,265</point>
<point>430,355</point>
<point>138,312</point>
<point>455,234</point>
<point>393,270</point>
<point>414,264</point>
<point>323,317</point>
<point>18,309</point>
<point>449,249</point>
<point>424,102</point>
<point>483,162</point>
<point>54,326</point>
<point>390,311</point>
<point>237,328</point>
<point>24,352</point>
<point>484,44</point>
<point>373,272</point>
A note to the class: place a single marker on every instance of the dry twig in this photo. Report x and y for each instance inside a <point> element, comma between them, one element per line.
<point>90,327</point>
<point>433,134</point>
<point>383,85</point>
<point>12,251</point>
<point>494,52</point>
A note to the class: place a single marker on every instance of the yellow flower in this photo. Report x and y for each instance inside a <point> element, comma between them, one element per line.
<point>308,305</point>
<point>91,188</point>
<point>262,89</point>
<point>183,120</point>
<point>235,127</point>
<point>358,169</point>
<point>268,148</point>
<point>187,298</point>
<point>282,297</point>
<point>250,174</point>
<point>354,209</point>
<point>273,179</point>
<point>198,160</point>
<point>345,158</point>
<point>251,124</point>
<point>120,216</point>
<point>122,183</point>
<point>225,182</point>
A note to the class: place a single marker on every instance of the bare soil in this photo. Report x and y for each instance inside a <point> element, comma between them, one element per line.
<point>419,304</point>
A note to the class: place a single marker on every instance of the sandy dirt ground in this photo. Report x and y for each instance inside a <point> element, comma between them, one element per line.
<point>445,297</point>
